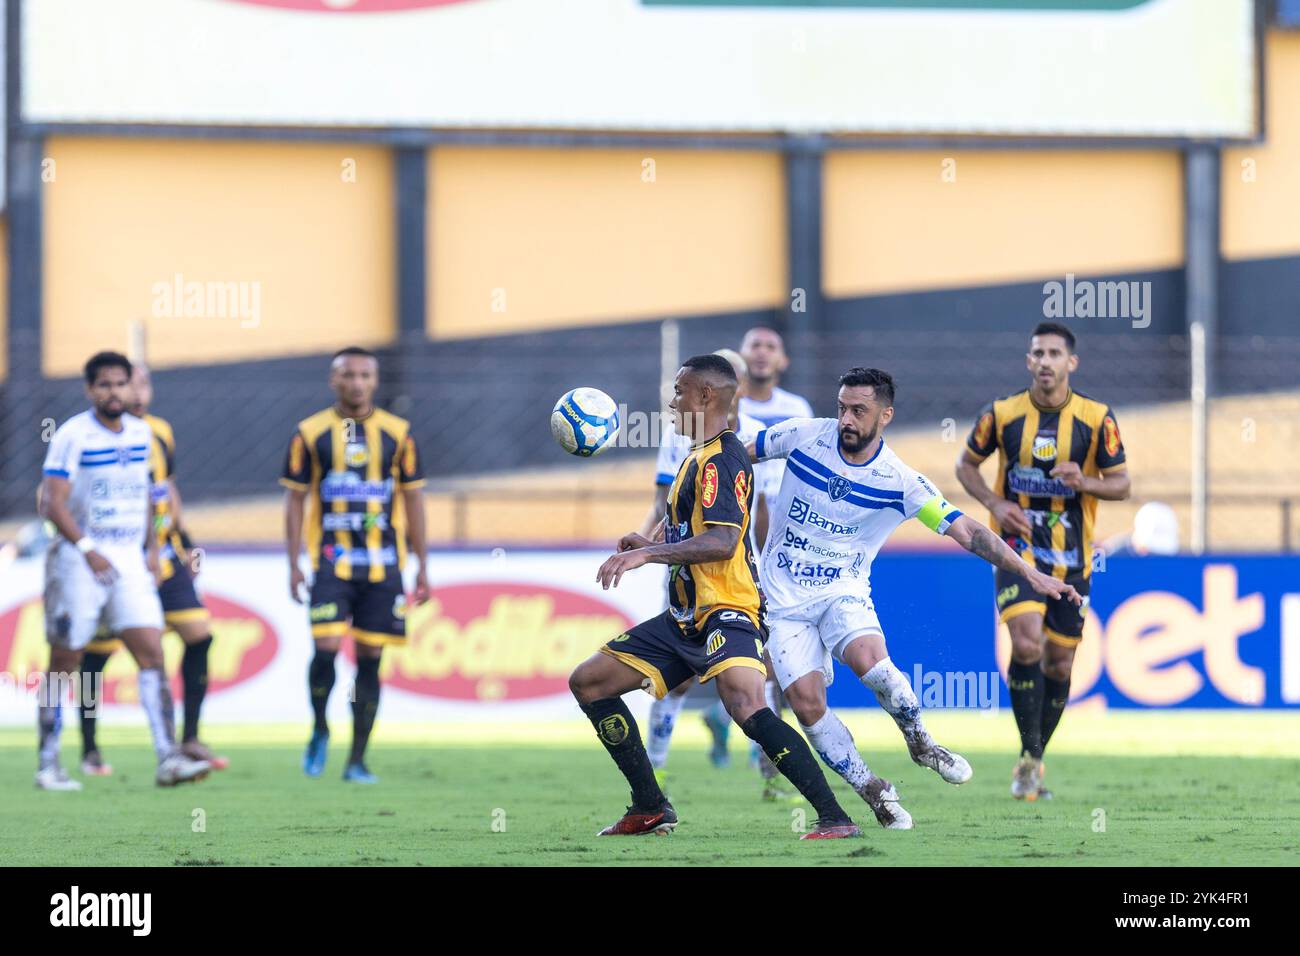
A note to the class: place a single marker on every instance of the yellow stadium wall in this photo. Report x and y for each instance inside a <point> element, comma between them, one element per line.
<point>894,223</point>
<point>526,239</point>
<point>308,227</point>
<point>1261,191</point>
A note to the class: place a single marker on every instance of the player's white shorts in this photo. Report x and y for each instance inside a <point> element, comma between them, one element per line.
<point>810,637</point>
<point>75,601</point>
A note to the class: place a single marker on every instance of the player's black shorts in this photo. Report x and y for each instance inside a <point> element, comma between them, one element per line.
<point>373,612</point>
<point>180,602</point>
<point>1062,620</point>
<point>658,649</point>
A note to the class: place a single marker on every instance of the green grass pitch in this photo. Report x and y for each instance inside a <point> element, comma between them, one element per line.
<point>1146,789</point>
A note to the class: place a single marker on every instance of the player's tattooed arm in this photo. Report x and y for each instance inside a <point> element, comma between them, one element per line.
<point>983,543</point>
<point>716,544</point>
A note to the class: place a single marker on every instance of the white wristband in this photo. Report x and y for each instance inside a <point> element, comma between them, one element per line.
<point>85,545</point>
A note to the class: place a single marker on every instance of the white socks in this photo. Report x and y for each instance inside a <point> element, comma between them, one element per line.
<point>898,699</point>
<point>772,695</point>
<point>156,698</point>
<point>663,717</point>
<point>834,744</point>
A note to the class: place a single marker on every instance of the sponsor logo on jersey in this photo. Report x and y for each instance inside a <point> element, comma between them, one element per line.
<point>801,543</point>
<point>709,485</point>
<point>1045,447</point>
<point>715,642</point>
<point>742,491</point>
<point>399,607</point>
<point>324,612</point>
<point>297,449</point>
<point>1008,594</point>
<point>1030,481</point>
<point>983,429</point>
<point>1110,433</point>
<point>807,575</point>
<point>803,513</point>
<point>838,487</point>
<point>345,486</point>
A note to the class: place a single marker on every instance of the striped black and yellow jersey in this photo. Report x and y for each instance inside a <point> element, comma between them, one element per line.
<point>1031,440</point>
<point>162,468</point>
<point>714,486</point>
<point>354,471</point>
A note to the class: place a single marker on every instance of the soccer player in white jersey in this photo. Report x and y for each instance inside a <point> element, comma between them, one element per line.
<point>764,353</point>
<point>843,494</point>
<point>96,491</point>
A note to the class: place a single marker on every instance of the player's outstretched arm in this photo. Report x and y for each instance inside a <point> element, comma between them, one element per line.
<point>982,542</point>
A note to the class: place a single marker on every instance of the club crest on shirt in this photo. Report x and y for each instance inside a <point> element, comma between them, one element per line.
<point>1045,447</point>
<point>356,454</point>
<point>838,487</point>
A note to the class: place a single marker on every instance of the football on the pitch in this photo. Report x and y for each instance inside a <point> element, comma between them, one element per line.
<point>584,422</point>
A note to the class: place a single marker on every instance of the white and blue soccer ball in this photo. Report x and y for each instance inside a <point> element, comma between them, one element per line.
<point>585,422</point>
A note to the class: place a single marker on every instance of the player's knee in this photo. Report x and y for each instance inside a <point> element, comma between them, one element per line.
<point>1057,669</point>
<point>583,683</point>
<point>1026,649</point>
<point>808,707</point>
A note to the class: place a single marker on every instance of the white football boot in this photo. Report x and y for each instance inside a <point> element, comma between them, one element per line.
<point>882,798</point>
<point>55,778</point>
<point>954,768</point>
<point>178,768</point>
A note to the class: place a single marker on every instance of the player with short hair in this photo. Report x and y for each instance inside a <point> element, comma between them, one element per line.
<point>763,350</point>
<point>361,470</point>
<point>713,625</point>
<point>1059,452</point>
<point>183,610</point>
<point>96,491</point>
<point>843,494</point>
<point>664,711</point>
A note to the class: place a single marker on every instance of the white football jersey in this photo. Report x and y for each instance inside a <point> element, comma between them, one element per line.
<point>778,408</point>
<point>674,448</point>
<point>109,474</point>
<point>831,517</point>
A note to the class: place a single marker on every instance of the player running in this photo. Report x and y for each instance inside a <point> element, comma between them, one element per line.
<point>1058,452</point>
<point>183,611</point>
<point>712,625</point>
<point>97,492</point>
<point>361,469</point>
<point>843,494</point>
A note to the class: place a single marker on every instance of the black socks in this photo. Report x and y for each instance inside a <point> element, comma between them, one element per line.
<point>194,681</point>
<point>365,703</point>
<point>790,753</point>
<point>1025,681</point>
<point>617,730</point>
<point>1056,694</point>
<point>320,681</point>
<point>91,666</point>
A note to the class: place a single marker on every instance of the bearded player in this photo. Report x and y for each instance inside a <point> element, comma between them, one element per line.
<point>183,610</point>
<point>843,493</point>
<point>712,627</point>
<point>1059,452</point>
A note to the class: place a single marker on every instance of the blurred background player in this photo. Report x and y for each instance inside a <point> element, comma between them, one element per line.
<point>764,353</point>
<point>1154,532</point>
<point>1059,451</point>
<point>97,492</point>
<point>183,610</point>
<point>833,515</point>
<point>673,450</point>
<point>712,627</point>
<point>361,469</point>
